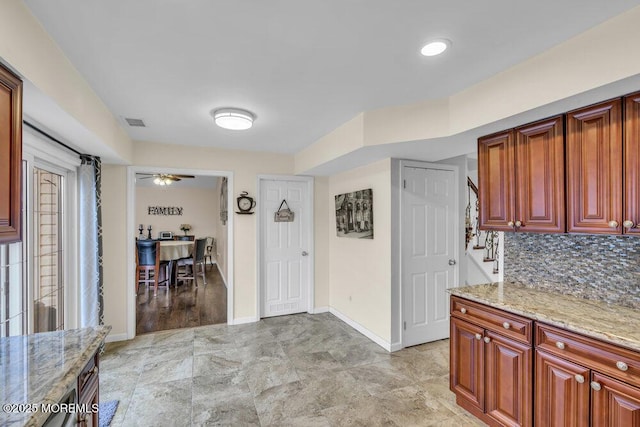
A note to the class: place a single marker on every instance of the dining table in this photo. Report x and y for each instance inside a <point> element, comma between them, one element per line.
<point>173,250</point>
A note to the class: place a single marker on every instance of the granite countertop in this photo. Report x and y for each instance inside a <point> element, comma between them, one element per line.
<point>40,368</point>
<point>608,322</point>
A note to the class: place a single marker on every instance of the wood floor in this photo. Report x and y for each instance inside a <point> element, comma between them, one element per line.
<point>184,306</point>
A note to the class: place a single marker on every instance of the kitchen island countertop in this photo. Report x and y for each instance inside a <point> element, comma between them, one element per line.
<point>39,369</point>
<point>608,322</point>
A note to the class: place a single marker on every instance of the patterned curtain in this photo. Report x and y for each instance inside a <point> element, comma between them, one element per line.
<point>90,236</point>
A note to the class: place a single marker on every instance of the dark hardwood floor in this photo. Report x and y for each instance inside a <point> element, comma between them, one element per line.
<point>184,306</point>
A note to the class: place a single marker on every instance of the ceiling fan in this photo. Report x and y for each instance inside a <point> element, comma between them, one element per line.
<point>164,178</point>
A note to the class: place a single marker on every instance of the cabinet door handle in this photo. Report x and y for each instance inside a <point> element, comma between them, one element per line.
<point>613,224</point>
<point>622,366</point>
<point>510,224</point>
<point>518,224</point>
<point>463,310</point>
<point>506,325</point>
<point>487,340</point>
<point>478,337</point>
<point>595,386</point>
<point>579,378</point>
<point>628,224</point>
<point>560,345</point>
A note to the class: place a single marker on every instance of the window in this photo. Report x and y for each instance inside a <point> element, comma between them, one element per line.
<point>48,251</point>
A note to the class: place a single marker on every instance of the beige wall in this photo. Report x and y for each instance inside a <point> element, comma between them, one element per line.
<point>245,165</point>
<point>321,234</point>
<point>198,209</point>
<point>114,247</point>
<point>360,269</point>
<point>29,49</point>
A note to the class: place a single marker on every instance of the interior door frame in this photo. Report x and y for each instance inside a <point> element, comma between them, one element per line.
<point>456,249</point>
<point>260,238</point>
<point>131,231</point>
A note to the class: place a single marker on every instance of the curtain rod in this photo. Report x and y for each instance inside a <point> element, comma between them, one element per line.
<point>37,129</point>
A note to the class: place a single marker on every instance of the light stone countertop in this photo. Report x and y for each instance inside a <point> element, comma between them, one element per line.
<point>597,319</point>
<point>40,368</point>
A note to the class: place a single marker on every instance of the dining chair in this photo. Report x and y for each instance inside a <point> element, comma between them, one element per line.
<point>147,262</point>
<point>196,260</point>
<point>209,250</point>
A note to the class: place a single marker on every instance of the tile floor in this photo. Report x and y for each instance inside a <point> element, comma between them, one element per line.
<point>300,370</point>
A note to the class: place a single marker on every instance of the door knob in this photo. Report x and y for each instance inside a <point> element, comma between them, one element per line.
<point>452,262</point>
<point>305,253</point>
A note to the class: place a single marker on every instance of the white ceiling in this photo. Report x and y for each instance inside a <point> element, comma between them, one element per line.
<point>303,67</point>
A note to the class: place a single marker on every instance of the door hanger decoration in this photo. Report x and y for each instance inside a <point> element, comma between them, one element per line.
<point>283,214</point>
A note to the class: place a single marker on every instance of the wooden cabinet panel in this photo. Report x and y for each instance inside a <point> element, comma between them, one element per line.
<point>507,324</point>
<point>617,362</point>
<point>89,393</point>
<point>539,176</point>
<point>632,164</point>
<point>614,404</point>
<point>10,156</point>
<point>495,181</point>
<point>561,392</point>
<point>508,381</point>
<point>594,168</point>
<point>466,376</point>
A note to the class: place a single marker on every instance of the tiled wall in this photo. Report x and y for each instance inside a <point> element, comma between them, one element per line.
<point>589,266</point>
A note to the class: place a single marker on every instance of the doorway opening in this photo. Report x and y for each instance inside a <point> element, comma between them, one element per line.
<point>187,213</point>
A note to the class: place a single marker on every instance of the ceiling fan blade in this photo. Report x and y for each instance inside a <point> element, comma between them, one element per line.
<point>145,177</point>
<point>173,178</point>
<point>182,176</point>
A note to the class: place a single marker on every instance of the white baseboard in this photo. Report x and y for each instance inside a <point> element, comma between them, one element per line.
<point>396,346</point>
<point>224,279</point>
<point>364,331</point>
<point>319,310</point>
<point>116,337</point>
<point>243,320</point>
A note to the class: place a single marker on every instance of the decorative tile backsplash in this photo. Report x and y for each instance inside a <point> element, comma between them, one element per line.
<point>605,268</point>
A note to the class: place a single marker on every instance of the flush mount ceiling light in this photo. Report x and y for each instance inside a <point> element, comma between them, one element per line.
<point>162,180</point>
<point>233,118</point>
<point>435,47</point>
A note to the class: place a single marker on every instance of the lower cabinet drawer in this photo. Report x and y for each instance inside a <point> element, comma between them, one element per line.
<point>609,359</point>
<point>507,324</point>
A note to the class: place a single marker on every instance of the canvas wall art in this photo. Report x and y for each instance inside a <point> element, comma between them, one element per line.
<point>354,214</point>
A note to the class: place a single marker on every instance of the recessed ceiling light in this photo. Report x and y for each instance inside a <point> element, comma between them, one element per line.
<point>233,118</point>
<point>435,47</point>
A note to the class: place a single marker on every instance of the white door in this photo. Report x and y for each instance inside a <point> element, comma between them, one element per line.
<point>429,249</point>
<point>285,248</point>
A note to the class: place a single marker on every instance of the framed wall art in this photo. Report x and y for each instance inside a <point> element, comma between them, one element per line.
<point>354,214</point>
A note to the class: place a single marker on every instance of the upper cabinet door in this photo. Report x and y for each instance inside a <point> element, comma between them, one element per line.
<point>631,217</point>
<point>10,156</point>
<point>539,176</point>
<point>496,181</point>
<point>594,169</point>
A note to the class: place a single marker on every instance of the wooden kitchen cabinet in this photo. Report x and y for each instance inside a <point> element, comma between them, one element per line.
<point>496,181</point>
<point>521,178</point>
<point>614,403</point>
<point>554,378</point>
<point>631,217</point>
<point>491,363</point>
<point>88,393</point>
<point>467,362</point>
<point>10,156</point>
<point>594,169</point>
